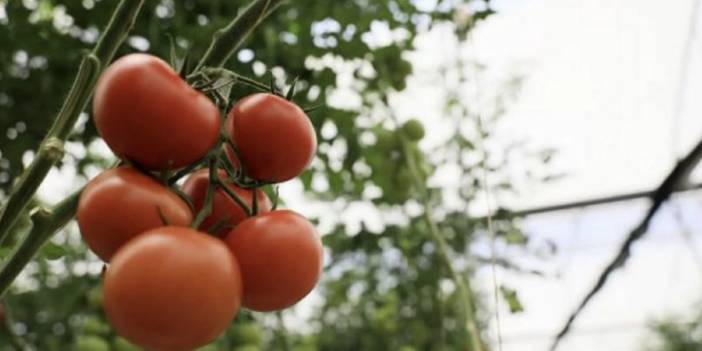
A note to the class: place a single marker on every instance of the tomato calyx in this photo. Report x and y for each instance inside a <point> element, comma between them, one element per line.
<point>222,175</point>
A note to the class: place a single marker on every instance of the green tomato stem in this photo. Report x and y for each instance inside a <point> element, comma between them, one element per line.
<point>233,76</point>
<point>234,197</point>
<point>51,149</point>
<point>466,295</point>
<point>228,39</point>
<point>185,171</point>
<point>254,202</point>
<point>45,223</point>
<point>209,195</point>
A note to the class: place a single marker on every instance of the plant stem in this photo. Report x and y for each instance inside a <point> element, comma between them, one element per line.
<point>209,195</point>
<point>235,77</point>
<point>45,223</point>
<point>51,148</point>
<point>235,197</point>
<point>254,201</point>
<point>466,295</point>
<point>228,39</point>
<point>282,332</point>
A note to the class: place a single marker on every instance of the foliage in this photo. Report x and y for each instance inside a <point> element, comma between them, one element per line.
<point>672,335</point>
<point>385,286</point>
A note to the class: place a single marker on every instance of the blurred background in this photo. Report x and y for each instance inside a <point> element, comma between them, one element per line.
<point>529,108</point>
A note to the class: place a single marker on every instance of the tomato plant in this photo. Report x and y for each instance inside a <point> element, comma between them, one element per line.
<point>413,129</point>
<point>274,137</point>
<point>147,114</point>
<point>172,288</point>
<point>280,255</point>
<point>121,203</point>
<point>226,212</point>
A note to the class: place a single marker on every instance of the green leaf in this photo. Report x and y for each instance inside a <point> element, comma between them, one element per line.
<point>516,237</point>
<point>291,91</point>
<point>173,54</point>
<point>52,252</point>
<point>510,295</point>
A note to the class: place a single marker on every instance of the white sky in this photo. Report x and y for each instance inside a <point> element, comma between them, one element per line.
<point>601,88</point>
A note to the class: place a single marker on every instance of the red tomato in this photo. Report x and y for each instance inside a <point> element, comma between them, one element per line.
<point>275,138</point>
<point>120,203</point>
<point>146,113</point>
<point>172,288</point>
<point>224,208</point>
<point>280,256</point>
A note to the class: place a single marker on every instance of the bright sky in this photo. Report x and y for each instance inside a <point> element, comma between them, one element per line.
<point>602,80</point>
<point>602,85</point>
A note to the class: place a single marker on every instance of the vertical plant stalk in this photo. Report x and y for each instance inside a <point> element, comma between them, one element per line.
<point>228,39</point>
<point>466,295</point>
<point>45,222</point>
<point>282,332</point>
<point>51,149</point>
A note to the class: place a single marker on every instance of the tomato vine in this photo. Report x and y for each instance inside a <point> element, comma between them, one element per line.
<point>48,221</point>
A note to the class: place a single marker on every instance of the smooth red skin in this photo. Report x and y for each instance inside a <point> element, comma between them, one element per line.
<point>280,256</point>
<point>223,207</point>
<point>172,289</point>
<point>146,113</point>
<point>121,203</point>
<point>275,138</point>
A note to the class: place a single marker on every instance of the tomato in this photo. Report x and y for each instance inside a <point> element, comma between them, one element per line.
<point>121,203</point>
<point>275,138</point>
<point>247,333</point>
<point>280,255</point>
<point>172,288</point>
<point>146,113</point>
<point>224,208</point>
<point>248,347</point>
<point>91,343</point>
<point>95,326</point>
<point>94,297</point>
<point>413,129</point>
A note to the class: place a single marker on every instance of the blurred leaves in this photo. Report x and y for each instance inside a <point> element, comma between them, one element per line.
<point>675,334</point>
<point>513,302</point>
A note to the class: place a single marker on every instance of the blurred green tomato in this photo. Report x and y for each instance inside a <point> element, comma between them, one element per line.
<point>414,130</point>
<point>91,343</point>
<point>121,344</point>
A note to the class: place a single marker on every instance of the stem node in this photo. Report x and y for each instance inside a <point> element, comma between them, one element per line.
<point>53,149</point>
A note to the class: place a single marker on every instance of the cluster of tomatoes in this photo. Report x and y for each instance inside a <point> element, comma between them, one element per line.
<point>183,260</point>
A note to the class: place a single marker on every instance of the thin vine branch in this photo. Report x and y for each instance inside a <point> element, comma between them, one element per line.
<point>235,197</point>
<point>233,77</point>
<point>51,149</point>
<point>45,222</point>
<point>228,39</point>
<point>209,195</point>
<point>674,181</point>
